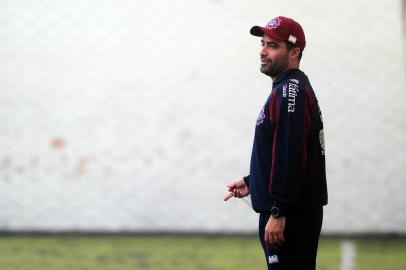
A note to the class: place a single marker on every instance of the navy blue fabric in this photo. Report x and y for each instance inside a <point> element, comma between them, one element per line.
<point>288,160</point>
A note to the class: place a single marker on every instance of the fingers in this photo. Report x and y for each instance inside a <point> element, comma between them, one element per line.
<point>274,240</point>
<point>267,238</point>
<point>235,189</point>
<point>234,192</point>
<point>281,238</point>
<point>272,237</point>
<point>277,241</point>
<point>228,196</point>
<point>236,183</point>
<point>231,186</point>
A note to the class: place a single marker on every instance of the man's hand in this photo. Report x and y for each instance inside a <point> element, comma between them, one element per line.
<point>274,231</point>
<point>237,188</point>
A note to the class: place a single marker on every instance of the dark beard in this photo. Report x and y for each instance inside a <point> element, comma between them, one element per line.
<point>275,68</point>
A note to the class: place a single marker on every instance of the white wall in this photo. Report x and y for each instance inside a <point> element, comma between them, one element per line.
<point>133,115</point>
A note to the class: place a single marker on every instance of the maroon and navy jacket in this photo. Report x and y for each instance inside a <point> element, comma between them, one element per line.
<point>288,156</point>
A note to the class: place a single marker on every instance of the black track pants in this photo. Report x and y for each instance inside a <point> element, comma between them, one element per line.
<point>302,232</point>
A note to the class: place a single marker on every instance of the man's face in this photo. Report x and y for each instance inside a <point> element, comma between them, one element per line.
<point>274,56</point>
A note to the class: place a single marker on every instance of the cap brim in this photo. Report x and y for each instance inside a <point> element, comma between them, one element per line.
<point>259,31</point>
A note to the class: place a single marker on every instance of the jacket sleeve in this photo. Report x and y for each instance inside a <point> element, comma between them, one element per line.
<point>288,156</point>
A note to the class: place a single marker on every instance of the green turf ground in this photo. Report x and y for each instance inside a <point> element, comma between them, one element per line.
<point>175,253</point>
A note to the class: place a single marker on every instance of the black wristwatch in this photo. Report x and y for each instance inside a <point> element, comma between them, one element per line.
<point>275,212</point>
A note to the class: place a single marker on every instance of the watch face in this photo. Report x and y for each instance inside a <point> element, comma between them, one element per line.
<point>275,211</point>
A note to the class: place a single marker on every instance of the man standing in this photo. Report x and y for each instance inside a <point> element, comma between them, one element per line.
<point>287,179</point>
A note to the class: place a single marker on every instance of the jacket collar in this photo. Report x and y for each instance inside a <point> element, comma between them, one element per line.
<point>281,76</point>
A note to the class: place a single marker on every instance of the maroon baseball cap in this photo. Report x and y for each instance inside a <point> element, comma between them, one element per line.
<point>282,28</point>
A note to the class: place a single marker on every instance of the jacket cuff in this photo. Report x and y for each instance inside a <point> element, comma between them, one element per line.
<point>284,210</point>
<point>247,180</point>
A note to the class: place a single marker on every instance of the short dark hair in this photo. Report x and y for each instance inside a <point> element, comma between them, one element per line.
<point>291,46</point>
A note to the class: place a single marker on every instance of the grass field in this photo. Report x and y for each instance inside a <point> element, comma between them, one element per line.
<point>176,253</point>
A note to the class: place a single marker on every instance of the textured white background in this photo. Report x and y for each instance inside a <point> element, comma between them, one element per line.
<point>133,115</point>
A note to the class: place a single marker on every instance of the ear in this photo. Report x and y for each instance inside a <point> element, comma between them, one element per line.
<point>294,53</point>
